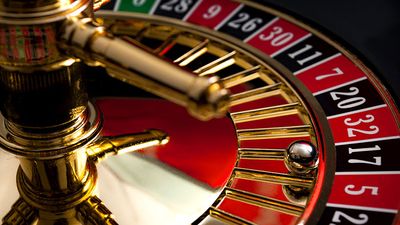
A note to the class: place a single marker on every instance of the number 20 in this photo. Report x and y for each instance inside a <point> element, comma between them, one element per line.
<point>350,102</point>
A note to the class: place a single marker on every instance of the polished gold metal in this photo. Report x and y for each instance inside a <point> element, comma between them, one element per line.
<point>44,16</point>
<point>267,112</point>
<point>275,132</point>
<point>264,202</point>
<point>57,172</point>
<point>94,212</point>
<point>217,65</point>
<point>53,166</point>
<point>97,4</point>
<point>58,140</point>
<point>205,98</point>
<point>20,214</point>
<point>242,77</point>
<point>297,195</point>
<point>72,149</point>
<point>261,154</point>
<point>193,54</point>
<point>59,195</point>
<point>292,108</point>
<point>276,178</point>
<point>41,12</point>
<point>54,175</point>
<point>109,146</point>
<point>255,94</point>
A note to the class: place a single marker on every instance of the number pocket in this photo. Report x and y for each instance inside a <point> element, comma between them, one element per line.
<point>363,218</point>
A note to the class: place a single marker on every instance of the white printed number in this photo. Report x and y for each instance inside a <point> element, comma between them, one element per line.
<point>367,149</point>
<point>349,189</point>
<point>245,22</point>
<point>181,7</point>
<point>337,71</point>
<point>212,12</point>
<point>138,3</point>
<point>352,132</point>
<point>305,51</point>
<point>277,36</point>
<point>362,218</point>
<point>349,102</point>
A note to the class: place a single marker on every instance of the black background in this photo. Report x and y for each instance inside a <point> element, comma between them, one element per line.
<point>369,28</point>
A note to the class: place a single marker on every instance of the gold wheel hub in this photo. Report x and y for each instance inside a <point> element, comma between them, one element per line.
<point>282,124</point>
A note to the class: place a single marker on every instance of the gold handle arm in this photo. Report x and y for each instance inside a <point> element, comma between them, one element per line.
<point>204,97</point>
<point>108,146</point>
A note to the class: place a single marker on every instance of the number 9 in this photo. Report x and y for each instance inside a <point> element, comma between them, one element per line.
<point>212,11</point>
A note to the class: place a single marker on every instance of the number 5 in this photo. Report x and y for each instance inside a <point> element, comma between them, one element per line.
<point>347,189</point>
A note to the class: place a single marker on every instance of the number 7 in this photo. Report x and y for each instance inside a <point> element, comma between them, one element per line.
<point>337,70</point>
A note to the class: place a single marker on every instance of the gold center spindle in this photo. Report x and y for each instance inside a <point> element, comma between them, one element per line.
<point>46,116</point>
<point>64,174</point>
<point>45,112</point>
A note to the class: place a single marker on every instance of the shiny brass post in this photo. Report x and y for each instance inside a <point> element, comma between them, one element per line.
<point>47,121</point>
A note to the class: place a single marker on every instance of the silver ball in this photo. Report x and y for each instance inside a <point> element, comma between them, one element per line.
<point>301,157</point>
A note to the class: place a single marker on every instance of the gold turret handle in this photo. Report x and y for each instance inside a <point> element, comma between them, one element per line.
<point>204,97</point>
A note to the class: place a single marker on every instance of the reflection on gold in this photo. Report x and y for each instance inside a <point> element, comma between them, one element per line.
<point>263,201</point>
<point>261,154</point>
<point>271,177</point>
<point>217,65</point>
<point>108,146</point>
<point>242,77</point>
<point>192,54</point>
<point>275,132</point>
<point>93,212</point>
<point>266,113</point>
<point>255,94</point>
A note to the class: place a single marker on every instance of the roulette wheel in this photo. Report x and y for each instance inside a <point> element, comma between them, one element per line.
<point>310,135</point>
